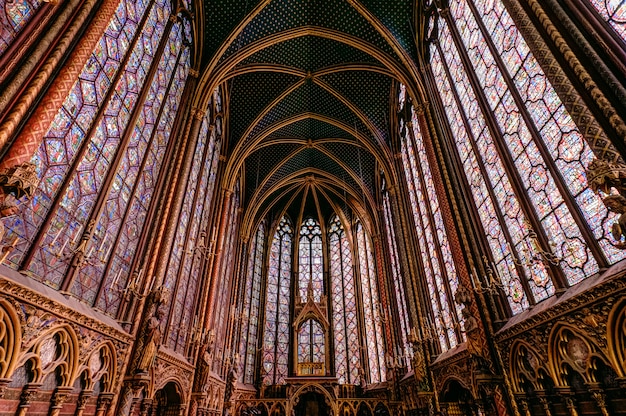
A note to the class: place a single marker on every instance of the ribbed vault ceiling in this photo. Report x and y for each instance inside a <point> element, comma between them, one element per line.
<point>310,87</point>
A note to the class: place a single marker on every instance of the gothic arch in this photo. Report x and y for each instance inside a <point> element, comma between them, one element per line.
<point>315,388</point>
<point>10,338</point>
<point>100,365</point>
<point>616,337</point>
<point>449,378</point>
<point>526,363</point>
<point>176,384</point>
<point>570,349</point>
<point>55,350</point>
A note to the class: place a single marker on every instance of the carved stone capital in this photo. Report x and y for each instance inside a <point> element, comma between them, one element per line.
<point>602,176</point>
<point>28,394</point>
<point>60,396</point>
<point>104,401</point>
<point>83,398</point>
<point>3,386</point>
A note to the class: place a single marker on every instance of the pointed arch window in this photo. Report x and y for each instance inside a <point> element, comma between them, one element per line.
<point>311,348</point>
<point>277,303</point>
<point>223,301</point>
<point>523,156</point>
<point>371,308</point>
<point>310,260</point>
<point>251,306</point>
<point>344,305</point>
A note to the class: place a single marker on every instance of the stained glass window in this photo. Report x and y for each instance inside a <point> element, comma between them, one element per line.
<point>344,305</point>
<point>614,13</point>
<point>434,248</point>
<point>157,114</point>
<point>223,303</point>
<point>251,306</point>
<point>371,308</point>
<point>104,135</point>
<point>534,156</point>
<point>398,284</point>
<point>310,260</point>
<point>190,242</point>
<point>277,326</point>
<point>14,14</point>
<point>311,343</point>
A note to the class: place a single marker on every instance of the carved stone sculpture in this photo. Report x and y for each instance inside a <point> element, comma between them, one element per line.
<point>151,341</point>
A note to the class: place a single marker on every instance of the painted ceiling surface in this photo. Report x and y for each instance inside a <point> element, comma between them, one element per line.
<point>311,87</point>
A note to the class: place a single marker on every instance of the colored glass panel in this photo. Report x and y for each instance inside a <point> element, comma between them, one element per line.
<point>251,307</point>
<point>195,238</point>
<point>14,14</point>
<point>223,304</point>
<point>492,205</point>
<point>310,260</point>
<point>613,12</point>
<point>371,305</point>
<point>540,183</point>
<point>120,193</point>
<point>567,148</point>
<point>75,119</point>
<point>345,313</point>
<point>398,285</point>
<point>276,333</point>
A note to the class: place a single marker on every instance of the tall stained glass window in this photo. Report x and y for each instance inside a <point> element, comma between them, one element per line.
<point>310,260</point>
<point>223,302</point>
<point>436,257</point>
<point>183,270</point>
<point>14,14</point>
<point>371,308</point>
<point>406,350</point>
<point>344,305</point>
<point>277,326</point>
<point>101,157</point>
<point>251,307</point>
<point>526,166</point>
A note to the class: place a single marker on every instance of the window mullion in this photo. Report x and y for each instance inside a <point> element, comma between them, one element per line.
<point>84,146</point>
<point>574,209</point>
<point>431,218</point>
<point>508,164</point>
<point>470,134</point>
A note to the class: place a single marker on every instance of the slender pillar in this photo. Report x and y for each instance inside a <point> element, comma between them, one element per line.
<point>27,143</point>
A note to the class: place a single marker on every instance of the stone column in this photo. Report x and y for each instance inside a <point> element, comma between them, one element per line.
<point>104,402</point>
<point>81,402</point>
<point>59,397</point>
<point>28,394</point>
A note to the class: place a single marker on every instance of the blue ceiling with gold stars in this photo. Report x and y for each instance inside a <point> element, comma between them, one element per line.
<point>310,87</point>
